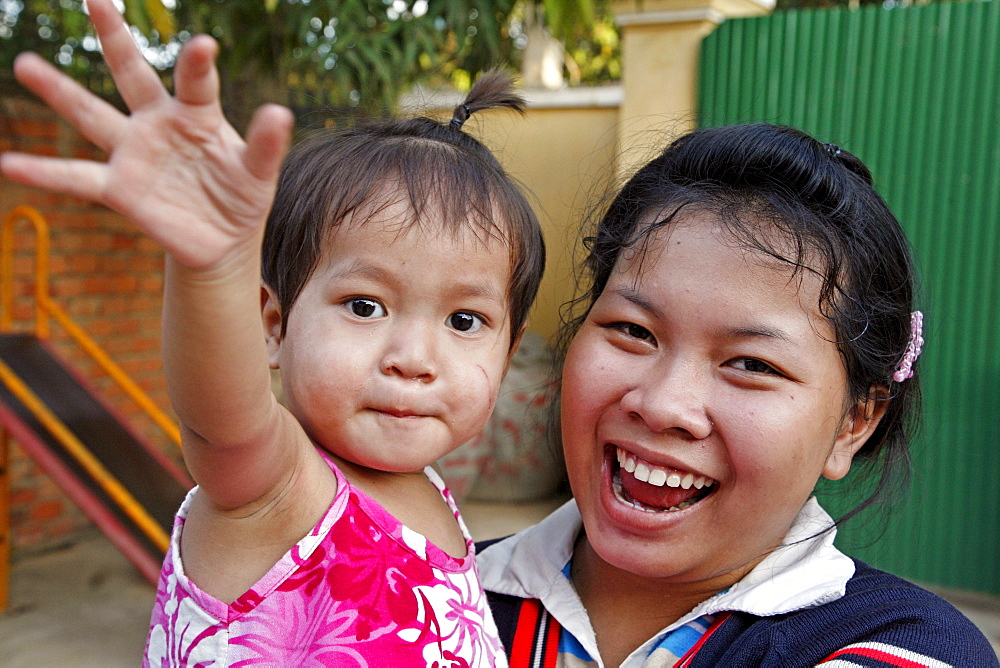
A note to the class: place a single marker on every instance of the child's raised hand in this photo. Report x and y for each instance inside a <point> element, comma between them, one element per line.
<point>175,165</point>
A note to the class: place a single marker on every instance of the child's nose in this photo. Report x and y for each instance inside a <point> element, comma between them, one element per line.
<point>410,354</point>
<point>670,398</point>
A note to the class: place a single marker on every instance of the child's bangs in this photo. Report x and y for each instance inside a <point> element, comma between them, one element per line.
<point>441,189</point>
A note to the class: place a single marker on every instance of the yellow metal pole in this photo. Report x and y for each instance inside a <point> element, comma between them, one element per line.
<point>41,268</point>
<point>117,374</point>
<point>91,465</point>
<point>6,275</point>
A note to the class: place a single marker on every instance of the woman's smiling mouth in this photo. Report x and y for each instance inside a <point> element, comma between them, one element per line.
<point>652,488</point>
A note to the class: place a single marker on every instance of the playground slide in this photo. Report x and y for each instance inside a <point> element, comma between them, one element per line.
<point>156,483</point>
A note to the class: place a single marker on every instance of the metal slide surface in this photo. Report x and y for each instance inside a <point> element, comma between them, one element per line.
<point>146,474</point>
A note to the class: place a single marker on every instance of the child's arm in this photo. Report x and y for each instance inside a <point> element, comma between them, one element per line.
<point>181,173</point>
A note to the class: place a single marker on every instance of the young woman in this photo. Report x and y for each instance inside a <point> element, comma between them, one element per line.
<point>748,328</point>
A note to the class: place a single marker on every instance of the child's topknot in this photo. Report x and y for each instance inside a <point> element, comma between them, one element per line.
<point>493,89</point>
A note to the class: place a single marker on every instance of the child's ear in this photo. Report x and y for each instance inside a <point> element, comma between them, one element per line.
<point>270,315</point>
<point>856,429</point>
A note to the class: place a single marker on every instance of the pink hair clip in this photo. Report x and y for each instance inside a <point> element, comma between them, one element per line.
<point>905,368</point>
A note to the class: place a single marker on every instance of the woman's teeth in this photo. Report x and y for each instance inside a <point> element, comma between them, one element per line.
<point>622,496</point>
<point>658,477</point>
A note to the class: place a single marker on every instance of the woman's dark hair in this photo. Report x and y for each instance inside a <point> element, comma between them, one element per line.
<point>780,192</point>
<point>447,177</point>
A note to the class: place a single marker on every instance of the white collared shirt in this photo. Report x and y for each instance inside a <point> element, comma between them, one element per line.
<point>806,571</point>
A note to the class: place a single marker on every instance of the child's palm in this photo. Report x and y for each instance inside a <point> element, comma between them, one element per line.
<point>180,174</point>
<point>175,166</point>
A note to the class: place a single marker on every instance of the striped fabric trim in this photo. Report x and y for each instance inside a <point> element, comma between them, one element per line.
<point>536,637</point>
<point>889,655</point>
<point>689,656</point>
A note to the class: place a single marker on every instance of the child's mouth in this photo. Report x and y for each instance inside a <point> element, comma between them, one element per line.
<point>655,489</point>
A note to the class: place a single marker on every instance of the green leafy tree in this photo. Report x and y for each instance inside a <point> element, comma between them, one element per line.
<point>350,54</point>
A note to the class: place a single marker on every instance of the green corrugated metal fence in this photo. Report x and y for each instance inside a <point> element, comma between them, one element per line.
<point>914,92</point>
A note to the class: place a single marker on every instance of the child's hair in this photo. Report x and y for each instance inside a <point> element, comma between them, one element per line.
<point>447,178</point>
<point>761,179</point>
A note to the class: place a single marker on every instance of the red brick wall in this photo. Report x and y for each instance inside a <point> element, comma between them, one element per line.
<point>108,277</point>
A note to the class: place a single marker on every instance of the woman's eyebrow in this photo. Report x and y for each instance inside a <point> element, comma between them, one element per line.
<point>759,331</point>
<point>634,297</point>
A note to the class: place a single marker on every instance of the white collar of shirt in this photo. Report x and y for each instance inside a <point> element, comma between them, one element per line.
<point>806,571</point>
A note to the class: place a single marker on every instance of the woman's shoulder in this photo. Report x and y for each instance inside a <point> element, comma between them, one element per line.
<point>869,581</point>
<point>881,620</point>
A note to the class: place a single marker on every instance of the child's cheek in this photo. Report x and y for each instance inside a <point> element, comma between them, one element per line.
<point>474,398</point>
<point>491,387</point>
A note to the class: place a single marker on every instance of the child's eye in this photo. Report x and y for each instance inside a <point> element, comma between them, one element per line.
<point>365,308</point>
<point>754,365</point>
<point>463,321</point>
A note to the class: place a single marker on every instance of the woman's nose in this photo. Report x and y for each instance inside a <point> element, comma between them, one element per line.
<point>410,354</point>
<point>670,399</point>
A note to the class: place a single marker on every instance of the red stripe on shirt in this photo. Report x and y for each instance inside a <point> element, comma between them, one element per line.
<point>551,650</point>
<point>879,655</point>
<point>689,656</point>
<point>521,653</point>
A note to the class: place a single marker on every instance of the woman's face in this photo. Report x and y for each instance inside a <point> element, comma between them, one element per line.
<point>702,399</point>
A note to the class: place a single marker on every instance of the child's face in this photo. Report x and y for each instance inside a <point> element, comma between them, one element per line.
<point>702,363</point>
<point>394,350</point>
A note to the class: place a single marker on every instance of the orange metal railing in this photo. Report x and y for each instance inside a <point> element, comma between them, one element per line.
<point>46,309</point>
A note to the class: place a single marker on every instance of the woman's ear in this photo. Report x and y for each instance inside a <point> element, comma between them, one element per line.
<point>856,429</point>
<point>270,315</point>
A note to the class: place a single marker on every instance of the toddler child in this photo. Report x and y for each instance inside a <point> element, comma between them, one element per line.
<point>399,262</point>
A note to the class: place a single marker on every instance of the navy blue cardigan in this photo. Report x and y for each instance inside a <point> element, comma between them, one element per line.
<point>879,611</point>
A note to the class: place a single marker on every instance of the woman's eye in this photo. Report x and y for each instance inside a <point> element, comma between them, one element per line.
<point>366,308</point>
<point>754,366</point>
<point>465,322</point>
<point>633,330</point>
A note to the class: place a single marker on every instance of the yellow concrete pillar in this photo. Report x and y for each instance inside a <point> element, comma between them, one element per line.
<point>661,45</point>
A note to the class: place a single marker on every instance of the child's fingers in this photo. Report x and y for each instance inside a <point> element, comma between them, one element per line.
<point>196,81</point>
<point>267,139</point>
<point>97,120</point>
<point>79,178</point>
<point>138,84</point>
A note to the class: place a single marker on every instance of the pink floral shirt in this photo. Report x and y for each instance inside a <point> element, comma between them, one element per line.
<point>360,590</point>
